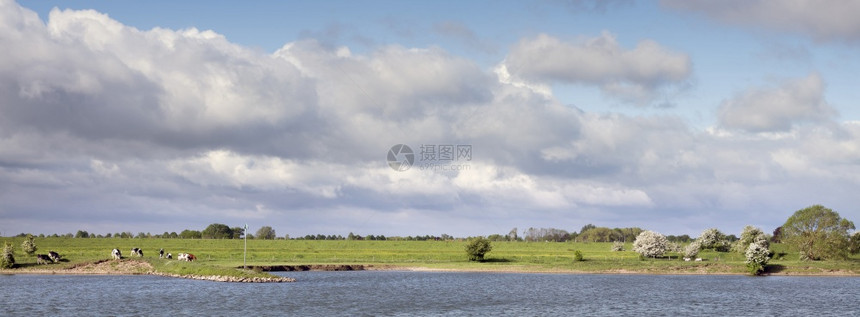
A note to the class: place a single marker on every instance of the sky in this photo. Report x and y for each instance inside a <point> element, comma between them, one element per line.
<point>674,116</point>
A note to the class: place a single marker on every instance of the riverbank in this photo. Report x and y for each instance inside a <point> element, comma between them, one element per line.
<point>226,257</point>
<point>138,267</point>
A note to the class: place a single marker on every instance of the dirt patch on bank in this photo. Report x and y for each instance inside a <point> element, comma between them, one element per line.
<point>102,267</point>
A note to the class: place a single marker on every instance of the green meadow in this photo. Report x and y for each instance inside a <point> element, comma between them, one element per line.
<point>223,256</point>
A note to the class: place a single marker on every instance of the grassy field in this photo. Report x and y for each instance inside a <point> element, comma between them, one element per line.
<point>220,255</point>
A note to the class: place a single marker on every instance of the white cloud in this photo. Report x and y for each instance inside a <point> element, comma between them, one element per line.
<point>636,74</point>
<point>823,20</point>
<point>778,108</point>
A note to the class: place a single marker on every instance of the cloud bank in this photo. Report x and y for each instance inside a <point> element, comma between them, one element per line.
<point>108,128</point>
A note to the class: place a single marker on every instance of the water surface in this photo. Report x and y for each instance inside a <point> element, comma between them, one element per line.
<point>394,293</point>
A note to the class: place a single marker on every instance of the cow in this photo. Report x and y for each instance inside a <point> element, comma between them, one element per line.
<point>169,256</point>
<point>182,257</point>
<point>116,254</point>
<point>687,259</point>
<point>190,257</point>
<point>137,252</point>
<point>42,259</point>
<point>55,257</point>
<point>161,253</point>
<point>698,259</point>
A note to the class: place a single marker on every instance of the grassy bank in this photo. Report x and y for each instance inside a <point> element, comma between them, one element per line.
<point>220,257</point>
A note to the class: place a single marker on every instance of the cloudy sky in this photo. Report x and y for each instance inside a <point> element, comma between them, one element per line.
<point>674,116</point>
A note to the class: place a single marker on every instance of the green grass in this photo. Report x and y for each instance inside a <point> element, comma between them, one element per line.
<point>221,257</point>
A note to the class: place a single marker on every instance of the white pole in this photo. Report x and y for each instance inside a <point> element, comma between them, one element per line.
<point>245,256</point>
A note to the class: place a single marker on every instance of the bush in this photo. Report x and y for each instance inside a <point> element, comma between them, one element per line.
<point>650,244</point>
<point>7,260</point>
<point>577,256</point>
<point>476,248</point>
<point>29,245</point>
<point>618,246</point>
<point>757,256</point>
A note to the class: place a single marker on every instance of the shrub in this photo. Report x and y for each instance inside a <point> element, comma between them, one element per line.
<point>577,256</point>
<point>757,256</point>
<point>476,248</point>
<point>29,245</point>
<point>7,260</point>
<point>650,244</point>
<point>618,246</point>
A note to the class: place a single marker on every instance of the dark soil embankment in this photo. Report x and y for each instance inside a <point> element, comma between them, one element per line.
<point>313,267</point>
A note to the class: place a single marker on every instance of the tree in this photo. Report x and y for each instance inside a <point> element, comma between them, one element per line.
<point>476,248</point>
<point>217,231</point>
<point>818,233</point>
<point>713,239</point>
<point>757,255</point>
<point>854,244</point>
<point>650,244</point>
<point>749,235</point>
<point>82,234</point>
<point>29,245</point>
<point>617,246</point>
<point>266,233</point>
<point>7,260</point>
<point>190,234</point>
<point>777,235</point>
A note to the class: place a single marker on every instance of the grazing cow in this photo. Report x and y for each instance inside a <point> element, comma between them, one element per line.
<point>55,257</point>
<point>161,253</point>
<point>698,259</point>
<point>686,259</point>
<point>137,252</point>
<point>182,257</point>
<point>169,256</point>
<point>116,254</point>
<point>190,257</point>
<point>42,259</point>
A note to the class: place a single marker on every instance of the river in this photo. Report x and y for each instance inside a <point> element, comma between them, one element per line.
<point>397,293</point>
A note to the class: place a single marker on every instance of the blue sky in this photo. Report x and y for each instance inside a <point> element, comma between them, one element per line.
<point>670,115</point>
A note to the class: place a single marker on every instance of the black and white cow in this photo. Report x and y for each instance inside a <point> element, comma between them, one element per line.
<point>43,259</point>
<point>161,253</point>
<point>169,256</point>
<point>137,252</point>
<point>116,254</point>
<point>55,257</point>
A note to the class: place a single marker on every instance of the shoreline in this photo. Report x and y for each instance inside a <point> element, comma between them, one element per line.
<point>143,268</point>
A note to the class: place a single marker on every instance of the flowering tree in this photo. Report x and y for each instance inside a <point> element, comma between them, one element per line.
<point>650,244</point>
<point>29,245</point>
<point>749,235</point>
<point>7,259</point>
<point>757,256</point>
<point>692,249</point>
<point>713,239</point>
<point>617,246</point>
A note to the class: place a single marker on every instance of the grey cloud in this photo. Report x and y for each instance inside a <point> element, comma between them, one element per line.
<point>637,74</point>
<point>823,20</point>
<point>779,108</point>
